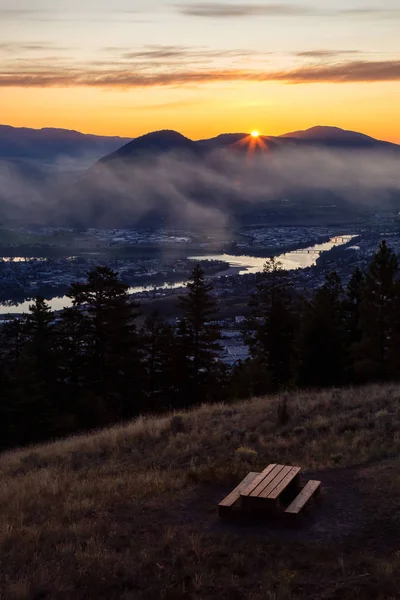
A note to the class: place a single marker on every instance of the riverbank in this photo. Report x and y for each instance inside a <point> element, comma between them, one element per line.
<point>300,258</point>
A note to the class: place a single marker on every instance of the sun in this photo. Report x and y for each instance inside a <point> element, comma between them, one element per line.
<point>255,134</point>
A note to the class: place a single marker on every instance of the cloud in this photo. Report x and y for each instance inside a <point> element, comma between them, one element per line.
<point>158,52</point>
<point>125,76</point>
<point>219,9</point>
<point>347,72</point>
<point>76,15</point>
<point>325,53</point>
<point>275,9</point>
<point>28,47</point>
<point>11,13</point>
<point>199,193</point>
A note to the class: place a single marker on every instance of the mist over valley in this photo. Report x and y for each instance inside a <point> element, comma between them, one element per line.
<point>321,176</point>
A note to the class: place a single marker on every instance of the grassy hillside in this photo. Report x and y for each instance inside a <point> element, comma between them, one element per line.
<point>130,512</point>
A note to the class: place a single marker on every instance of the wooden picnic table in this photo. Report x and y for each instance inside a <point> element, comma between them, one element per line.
<point>275,490</point>
<point>267,489</point>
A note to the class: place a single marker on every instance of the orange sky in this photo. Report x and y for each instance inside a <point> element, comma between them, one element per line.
<point>200,68</point>
<point>270,108</point>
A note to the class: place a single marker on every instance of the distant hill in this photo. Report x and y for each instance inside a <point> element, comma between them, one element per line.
<point>336,137</point>
<point>153,144</point>
<point>53,145</point>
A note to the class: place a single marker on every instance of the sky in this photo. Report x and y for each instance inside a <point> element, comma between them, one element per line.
<point>127,67</point>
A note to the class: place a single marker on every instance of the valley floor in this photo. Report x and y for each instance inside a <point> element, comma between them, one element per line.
<point>130,512</point>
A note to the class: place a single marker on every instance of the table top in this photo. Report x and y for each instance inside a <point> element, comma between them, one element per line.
<point>272,482</point>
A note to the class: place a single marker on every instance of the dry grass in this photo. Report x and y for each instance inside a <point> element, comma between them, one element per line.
<point>126,512</point>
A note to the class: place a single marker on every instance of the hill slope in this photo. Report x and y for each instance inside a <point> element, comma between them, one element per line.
<point>130,512</point>
<point>52,145</point>
<point>337,138</point>
<point>152,144</point>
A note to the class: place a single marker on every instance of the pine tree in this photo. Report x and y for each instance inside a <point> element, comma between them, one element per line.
<point>377,355</point>
<point>37,398</point>
<point>198,337</point>
<point>114,371</point>
<point>71,351</point>
<point>271,327</point>
<point>323,344</point>
<point>352,315</point>
<point>157,340</point>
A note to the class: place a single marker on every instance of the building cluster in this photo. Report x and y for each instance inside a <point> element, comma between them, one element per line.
<point>25,278</point>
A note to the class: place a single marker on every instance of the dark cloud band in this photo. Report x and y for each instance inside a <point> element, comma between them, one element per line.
<point>275,9</point>
<point>125,77</point>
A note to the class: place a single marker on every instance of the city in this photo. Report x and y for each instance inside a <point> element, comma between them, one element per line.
<point>157,264</point>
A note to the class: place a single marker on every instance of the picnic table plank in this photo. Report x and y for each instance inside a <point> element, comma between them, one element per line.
<point>308,491</point>
<point>227,503</point>
<point>260,477</point>
<point>265,493</point>
<point>267,479</point>
<point>293,473</point>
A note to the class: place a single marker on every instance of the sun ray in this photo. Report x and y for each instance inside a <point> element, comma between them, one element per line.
<point>253,143</point>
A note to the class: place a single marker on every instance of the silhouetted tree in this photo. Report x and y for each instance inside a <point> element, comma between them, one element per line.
<point>36,398</point>
<point>157,342</point>
<point>352,314</point>
<point>72,344</point>
<point>114,368</point>
<point>379,316</point>
<point>199,338</point>
<point>271,327</point>
<point>323,343</point>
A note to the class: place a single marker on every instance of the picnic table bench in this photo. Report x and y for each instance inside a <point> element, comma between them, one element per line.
<point>276,490</point>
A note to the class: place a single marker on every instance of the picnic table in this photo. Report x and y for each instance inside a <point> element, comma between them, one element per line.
<point>276,490</point>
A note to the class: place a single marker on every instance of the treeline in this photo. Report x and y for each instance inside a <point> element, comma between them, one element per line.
<point>92,365</point>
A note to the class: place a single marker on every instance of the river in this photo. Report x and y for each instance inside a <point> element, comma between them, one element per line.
<point>298,259</point>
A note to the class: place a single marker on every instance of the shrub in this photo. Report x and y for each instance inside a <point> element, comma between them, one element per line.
<point>244,453</point>
<point>283,412</point>
<point>177,423</point>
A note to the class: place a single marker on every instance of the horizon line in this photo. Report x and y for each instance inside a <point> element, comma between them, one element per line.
<point>131,138</point>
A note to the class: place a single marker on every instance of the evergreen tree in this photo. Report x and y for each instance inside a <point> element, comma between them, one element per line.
<point>72,342</point>
<point>271,327</point>
<point>352,312</point>
<point>157,339</point>
<point>379,317</point>
<point>37,389</point>
<point>323,344</point>
<point>114,370</point>
<point>12,343</point>
<point>198,338</point>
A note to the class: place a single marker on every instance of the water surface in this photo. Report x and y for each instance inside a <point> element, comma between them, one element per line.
<point>298,259</point>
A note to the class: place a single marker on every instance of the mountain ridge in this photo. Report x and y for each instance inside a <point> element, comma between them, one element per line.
<point>156,143</point>
<point>51,144</point>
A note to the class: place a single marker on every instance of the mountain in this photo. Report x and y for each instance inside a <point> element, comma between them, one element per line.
<point>322,176</point>
<point>151,145</point>
<point>164,178</point>
<point>55,145</point>
<point>337,138</point>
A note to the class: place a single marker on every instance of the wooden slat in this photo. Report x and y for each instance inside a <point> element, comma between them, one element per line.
<point>293,473</point>
<point>235,494</point>
<point>260,477</point>
<point>303,498</point>
<point>267,481</point>
<point>274,483</point>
